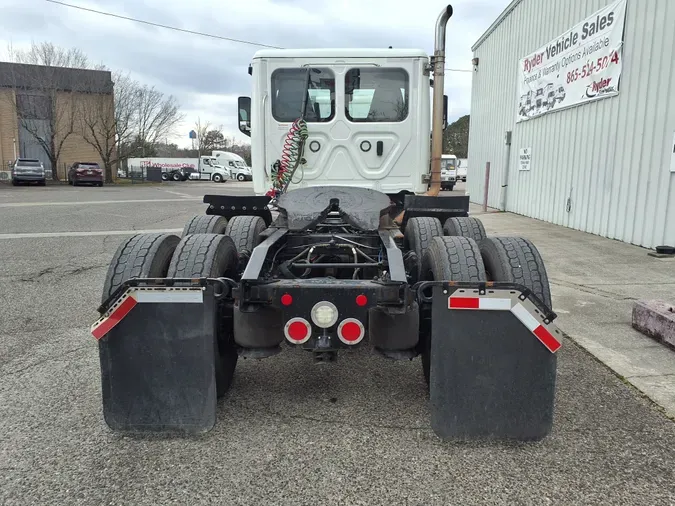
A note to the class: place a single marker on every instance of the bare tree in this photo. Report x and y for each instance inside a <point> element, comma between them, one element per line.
<point>107,122</point>
<point>46,53</point>
<point>157,116</point>
<point>210,138</point>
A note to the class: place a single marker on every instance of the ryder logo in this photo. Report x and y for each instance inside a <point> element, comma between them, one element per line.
<point>535,61</point>
<point>599,87</point>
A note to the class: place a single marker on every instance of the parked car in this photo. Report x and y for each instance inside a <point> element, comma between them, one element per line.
<point>28,170</point>
<point>85,172</point>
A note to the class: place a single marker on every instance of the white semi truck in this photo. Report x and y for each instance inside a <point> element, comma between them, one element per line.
<point>234,163</point>
<point>204,168</point>
<point>345,245</point>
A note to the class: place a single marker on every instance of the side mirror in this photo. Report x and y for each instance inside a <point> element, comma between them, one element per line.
<point>244,107</point>
<point>445,111</point>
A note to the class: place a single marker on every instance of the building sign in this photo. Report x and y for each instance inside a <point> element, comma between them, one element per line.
<point>582,65</point>
<point>525,158</point>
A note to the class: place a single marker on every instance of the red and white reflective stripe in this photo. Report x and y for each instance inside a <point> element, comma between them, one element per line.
<point>133,297</point>
<point>525,317</point>
<point>536,328</point>
<point>479,303</point>
<point>105,325</point>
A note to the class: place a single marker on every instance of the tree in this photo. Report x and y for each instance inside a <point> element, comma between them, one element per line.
<point>213,140</point>
<point>156,115</point>
<point>106,124</point>
<point>456,138</point>
<point>49,55</point>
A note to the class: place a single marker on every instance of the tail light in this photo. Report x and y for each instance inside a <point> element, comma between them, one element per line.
<point>351,331</point>
<point>297,330</point>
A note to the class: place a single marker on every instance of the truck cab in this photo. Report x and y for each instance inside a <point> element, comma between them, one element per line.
<point>234,163</point>
<point>367,114</point>
<point>448,172</point>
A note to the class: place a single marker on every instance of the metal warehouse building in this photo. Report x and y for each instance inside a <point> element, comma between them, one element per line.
<point>573,105</point>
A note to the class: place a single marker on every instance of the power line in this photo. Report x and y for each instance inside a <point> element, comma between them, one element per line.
<point>193,32</point>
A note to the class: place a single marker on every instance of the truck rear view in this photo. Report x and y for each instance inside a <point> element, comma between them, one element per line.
<point>340,250</point>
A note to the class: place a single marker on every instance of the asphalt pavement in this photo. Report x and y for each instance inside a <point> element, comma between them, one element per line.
<point>289,432</point>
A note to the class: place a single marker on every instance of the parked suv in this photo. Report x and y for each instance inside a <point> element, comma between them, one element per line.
<point>28,170</point>
<point>85,172</point>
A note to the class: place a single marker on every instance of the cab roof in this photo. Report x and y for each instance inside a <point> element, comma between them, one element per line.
<point>341,53</point>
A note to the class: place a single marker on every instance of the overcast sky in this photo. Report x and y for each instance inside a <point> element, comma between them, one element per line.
<point>207,75</point>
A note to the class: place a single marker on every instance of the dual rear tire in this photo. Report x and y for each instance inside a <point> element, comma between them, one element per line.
<point>461,251</point>
<point>205,250</point>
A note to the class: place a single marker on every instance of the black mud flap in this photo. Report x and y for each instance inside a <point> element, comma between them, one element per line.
<point>492,365</point>
<point>157,350</point>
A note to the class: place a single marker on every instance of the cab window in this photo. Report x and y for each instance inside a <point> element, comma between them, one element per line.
<point>288,86</point>
<point>375,95</point>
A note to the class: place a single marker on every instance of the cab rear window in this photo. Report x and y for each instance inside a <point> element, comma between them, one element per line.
<point>375,95</point>
<point>288,86</point>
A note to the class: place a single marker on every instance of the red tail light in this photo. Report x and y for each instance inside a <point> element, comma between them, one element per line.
<point>297,330</point>
<point>351,331</point>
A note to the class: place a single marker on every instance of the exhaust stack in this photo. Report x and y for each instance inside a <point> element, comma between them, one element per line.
<point>437,111</point>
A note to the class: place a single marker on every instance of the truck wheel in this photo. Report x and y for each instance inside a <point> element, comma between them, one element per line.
<point>213,256</point>
<point>465,226</point>
<point>217,178</point>
<point>449,258</point>
<point>516,260</point>
<point>176,176</point>
<point>140,256</point>
<point>418,234</point>
<point>165,176</point>
<point>241,177</point>
<point>245,232</point>
<point>205,224</point>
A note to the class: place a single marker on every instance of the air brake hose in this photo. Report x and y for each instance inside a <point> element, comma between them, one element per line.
<point>284,169</point>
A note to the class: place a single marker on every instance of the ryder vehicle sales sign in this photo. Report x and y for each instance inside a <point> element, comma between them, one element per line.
<point>582,65</point>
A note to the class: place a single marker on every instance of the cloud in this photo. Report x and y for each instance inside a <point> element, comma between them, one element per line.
<point>207,75</point>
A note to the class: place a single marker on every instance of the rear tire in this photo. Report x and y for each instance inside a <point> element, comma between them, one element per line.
<point>448,259</point>
<point>217,178</point>
<point>213,256</point>
<point>465,226</point>
<point>205,224</point>
<point>245,232</point>
<point>140,256</point>
<point>418,234</point>
<point>516,260</point>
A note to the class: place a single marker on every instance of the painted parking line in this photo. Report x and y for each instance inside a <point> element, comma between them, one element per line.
<point>96,202</point>
<point>46,235</point>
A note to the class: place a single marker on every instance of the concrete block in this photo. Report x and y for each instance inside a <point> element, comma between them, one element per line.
<point>656,319</point>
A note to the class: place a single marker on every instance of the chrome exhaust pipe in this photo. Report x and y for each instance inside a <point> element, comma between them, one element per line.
<point>437,110</point>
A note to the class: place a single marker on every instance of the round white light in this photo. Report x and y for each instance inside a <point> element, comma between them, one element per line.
<point>324,314</point>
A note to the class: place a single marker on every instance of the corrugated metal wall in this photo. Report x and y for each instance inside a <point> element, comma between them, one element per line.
<point>610,158</point>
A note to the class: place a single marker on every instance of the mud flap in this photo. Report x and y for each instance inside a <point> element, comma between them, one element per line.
<point>157,350</point>
<point>492,366</point>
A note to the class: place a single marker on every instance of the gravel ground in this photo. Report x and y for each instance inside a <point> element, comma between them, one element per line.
<point>290,432</point>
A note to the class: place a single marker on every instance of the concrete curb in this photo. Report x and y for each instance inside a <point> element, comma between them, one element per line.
<point>656,319</point>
